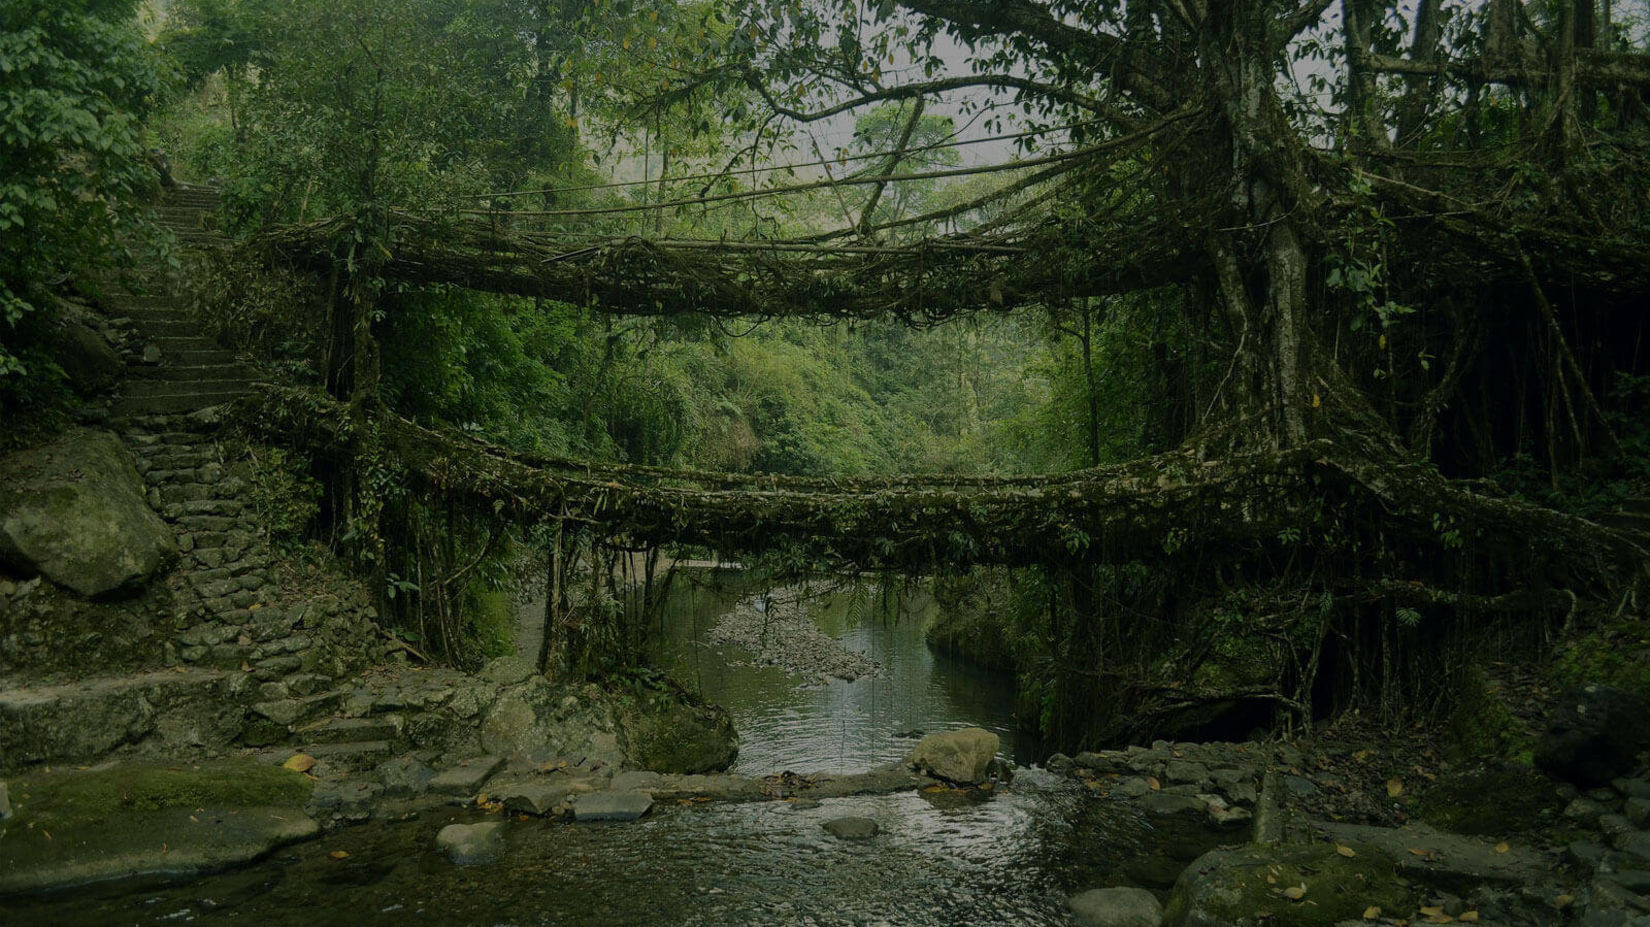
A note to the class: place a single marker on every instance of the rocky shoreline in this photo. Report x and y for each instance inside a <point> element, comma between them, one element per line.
<point>776,627</point>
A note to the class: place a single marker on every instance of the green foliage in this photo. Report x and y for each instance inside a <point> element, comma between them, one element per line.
<point>286,497</point>
<point>1616,655</point>
<point>75,79</point>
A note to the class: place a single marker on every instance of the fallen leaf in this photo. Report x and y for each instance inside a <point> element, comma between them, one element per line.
<point>195,819</point>
<point>1432,910</point>
<point>1563,901</point>
<point>339,854</point>
<point>1360,756</point>
<point>1372,912</point>
<point>1394,787</point>
<point>1295,892</point>
<point>1153,784</point>
<point>300,762</point>
<point>1418,851</point>
<point>1271,880</point>
<point>1468,917</point>
<point>1345,850</point>
<point>1502,847</point>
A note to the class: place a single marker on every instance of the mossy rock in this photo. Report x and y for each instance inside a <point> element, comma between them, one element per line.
<point>1490,801</point>
<point>665,732</point>
<point>73,827</point>
<point>1482,726</point>
<point>1616,655</point>
<point>1293,886</point>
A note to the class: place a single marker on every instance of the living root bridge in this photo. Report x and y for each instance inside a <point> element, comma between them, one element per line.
<point>1156,508</point>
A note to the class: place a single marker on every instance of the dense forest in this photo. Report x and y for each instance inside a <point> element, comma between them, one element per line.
<point>1281,356</point>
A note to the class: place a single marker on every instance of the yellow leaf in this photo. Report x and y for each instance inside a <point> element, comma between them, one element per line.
<point>1317,401</point>
<point>625,44</point>
<point>1383,342</point>
<point>1502,847</point>
<point>339,854</point>
<point>300,762</point>
<point>1153,784</point>
<point>1468,916</point>
<point>1432,910</point>
<point>1563,901</point>
<point>1372,912</point>
<point>1295,892</point>
<point>1271,880</point>
<point>1394,787</point>
<point>1345,850</point>
<point>1361,755</point>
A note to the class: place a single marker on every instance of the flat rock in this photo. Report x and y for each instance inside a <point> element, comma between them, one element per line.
<point>852,828</point>
<point>535,795</point>
<point>637,780</point>
<point>405,777</point>
<point>467,844</point>
<point>71,827</point>
<point>1116,907</point>
<point>963,757</point>
<point>507,671</point>
<point>74,510</point>
<point>467,777</point>
<point>611,806</point>
<point>1445,855</point>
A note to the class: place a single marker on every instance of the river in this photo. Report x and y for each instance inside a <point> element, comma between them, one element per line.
<point>1005,858</point>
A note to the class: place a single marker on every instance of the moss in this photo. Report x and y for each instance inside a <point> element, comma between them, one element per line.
<point>1490,801</point>
<point>492,620</point>
<point>1247,886</point>
<point>65,799</point>
<point>1616,655</point>
<point>1482,726</point>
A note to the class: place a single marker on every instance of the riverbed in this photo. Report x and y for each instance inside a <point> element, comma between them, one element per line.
<point>942,858</point>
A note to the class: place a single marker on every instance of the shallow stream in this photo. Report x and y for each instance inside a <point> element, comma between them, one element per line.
<point>1008,858</point>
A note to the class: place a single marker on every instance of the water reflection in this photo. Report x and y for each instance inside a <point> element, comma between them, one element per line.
<point>807,725</point>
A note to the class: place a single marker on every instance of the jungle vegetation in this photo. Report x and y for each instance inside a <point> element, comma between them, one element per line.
<point>1244,372</point>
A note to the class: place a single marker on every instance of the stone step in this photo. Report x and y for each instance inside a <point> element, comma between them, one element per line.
<point>128,303</point>
<point>167,404</point>
<point>192,372</point>
<point>358,756</point>
<point>176,325</point>
<point>142,389</point>
<point>93,716</point>
<point>351,730</point>
<point>205,352</point>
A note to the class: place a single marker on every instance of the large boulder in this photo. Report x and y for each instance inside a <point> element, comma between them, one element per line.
<point>1317,885</point>
<point>74,511</point>
<point>963,757</point>
<point>1116,907</point>
<point>1595,735</point>
<point>665,732</point>
<point>87,358</point>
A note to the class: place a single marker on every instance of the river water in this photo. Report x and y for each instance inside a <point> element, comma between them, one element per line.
<point>1005,858</point>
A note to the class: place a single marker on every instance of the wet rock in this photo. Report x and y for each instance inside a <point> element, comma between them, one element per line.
<point>1167,803</point>
<point>1116,907</point>
<point>963,757</point>
<point>347,801</point>
<point>467,777</point>
<point>852,828</point>
<point>88,360</point>
<point>1132,787</point>
<point>1633,788</point>
<point>1637,811</point>
<point>530,796</point>
<point>1434,855</point>
<point>74,510</point>
<point>1104,763</point>
<point>1595,735</point>
<point>466,844</point>
<point>611,806</point>
<point>405,777</point>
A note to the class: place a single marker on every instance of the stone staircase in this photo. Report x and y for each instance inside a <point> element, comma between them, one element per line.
<point>179,369</point>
